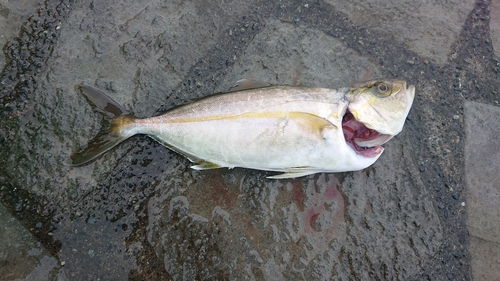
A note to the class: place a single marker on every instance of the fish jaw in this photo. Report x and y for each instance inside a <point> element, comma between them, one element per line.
<point>362,140</point>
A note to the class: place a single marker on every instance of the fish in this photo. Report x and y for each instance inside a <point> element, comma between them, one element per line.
<point>294,130</point>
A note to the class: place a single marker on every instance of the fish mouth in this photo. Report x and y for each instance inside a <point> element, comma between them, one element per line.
<point>364,141</point>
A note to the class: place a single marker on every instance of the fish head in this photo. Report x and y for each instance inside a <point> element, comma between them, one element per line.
<point>382,105</point>
<point>376,112</point>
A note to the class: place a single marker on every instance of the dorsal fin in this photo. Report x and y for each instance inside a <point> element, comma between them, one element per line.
<point>241,85</point>
<point>246,84</point>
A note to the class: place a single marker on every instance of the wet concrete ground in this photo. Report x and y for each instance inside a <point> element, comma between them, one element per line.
<point>427,210</point>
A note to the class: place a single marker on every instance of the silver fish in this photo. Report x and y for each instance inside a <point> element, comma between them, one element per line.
<point>294,130</point>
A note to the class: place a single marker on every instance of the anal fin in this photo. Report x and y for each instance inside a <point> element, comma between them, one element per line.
<point>200,163</point>
<point>205,165</point>
<point>290,175</point>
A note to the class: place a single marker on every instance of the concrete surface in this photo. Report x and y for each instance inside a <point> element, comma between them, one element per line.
<point>428,28</point>
<point>22,257</point>
<point>495,26</point>
<point>12,16</point>
<point>140,213</point>
<point>482,166</point>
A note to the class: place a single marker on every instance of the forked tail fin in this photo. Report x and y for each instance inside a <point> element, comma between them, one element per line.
<point>114,117</point>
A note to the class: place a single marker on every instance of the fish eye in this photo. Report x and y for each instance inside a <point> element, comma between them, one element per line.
<point>381,89</point>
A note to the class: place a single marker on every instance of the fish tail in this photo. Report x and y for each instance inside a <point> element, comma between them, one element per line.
<point>114,118</point>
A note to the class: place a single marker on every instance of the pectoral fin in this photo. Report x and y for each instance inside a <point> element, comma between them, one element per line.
<point>311,124</point>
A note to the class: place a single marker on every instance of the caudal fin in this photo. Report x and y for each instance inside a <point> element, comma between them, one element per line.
<point>114,116</point>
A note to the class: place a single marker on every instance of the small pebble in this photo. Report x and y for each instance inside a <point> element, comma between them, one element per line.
<point>456,117</point>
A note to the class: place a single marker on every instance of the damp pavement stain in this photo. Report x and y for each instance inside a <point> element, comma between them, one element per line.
<point>139,212</point>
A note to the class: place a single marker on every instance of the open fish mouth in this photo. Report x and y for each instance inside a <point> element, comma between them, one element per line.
<point>364,141</point>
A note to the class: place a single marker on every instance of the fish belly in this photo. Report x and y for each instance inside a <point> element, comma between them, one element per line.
<point>263,143</point>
